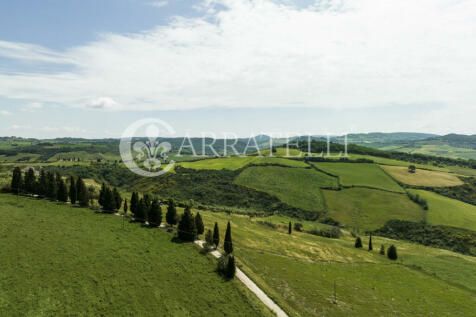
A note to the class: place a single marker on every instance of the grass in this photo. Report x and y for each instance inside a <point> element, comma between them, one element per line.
<point>361,174</point>
<point>447,211</point>
<point>369,209</point>
<point>298,271</point>
<point>235,162</point>
<point>62,260</point>
<point>296,187</point>
<point>422,177</point>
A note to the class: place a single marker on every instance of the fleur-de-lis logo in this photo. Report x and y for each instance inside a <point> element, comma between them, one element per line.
<point>146,156</point>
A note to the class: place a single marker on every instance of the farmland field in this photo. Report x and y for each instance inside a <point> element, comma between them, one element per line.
<point>297,187</point>
<point>370,209</point>
<point>234,163</point>
<point>360,174</point>
<point>447,211</point>
<point>92,266</point>
<point>422,177</point>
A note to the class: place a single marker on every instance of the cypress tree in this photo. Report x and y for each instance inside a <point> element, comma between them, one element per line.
<point>230,267</point>
<point>51,186</point>
<point>186,228</point>
<point>216,235</point>
<point>199,224</point>
<point>125,206</point>
<point>30,180</point>
<point>16,180</point>
<point>134,201</point>
<point>171,216</point>
<point>108,200</point>
<point>62,192</point>
<point>83,197</point>
<point>392,252</point>
<point>102,191</point>
<point>42,183</point>
<point>154,216</point>
<point>73,192</point>
<point>209,237</point>
<point>140,214</point>
<point>370,243</point>
<point>228,244</point>
<point>382,249</point>
<point>358,242</point>
<point>117,199</point>
<point>290,228</point>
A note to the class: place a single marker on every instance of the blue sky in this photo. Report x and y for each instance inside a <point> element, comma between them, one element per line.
<point>90,68</point>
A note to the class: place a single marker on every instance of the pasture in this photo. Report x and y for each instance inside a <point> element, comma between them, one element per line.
<point>296,187</point>
<point>360,174</point>
<point>422,177</point>
<point>236,162</point>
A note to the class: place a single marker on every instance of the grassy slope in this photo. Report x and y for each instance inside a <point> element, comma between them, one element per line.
<point>297,187</point>
<point>423,177</point>
<point>370,209</point>
<point>299,271</point>
<point>447,211</point>
<point>61,260</point>
<point>360,174</point>
<point>234,163</point>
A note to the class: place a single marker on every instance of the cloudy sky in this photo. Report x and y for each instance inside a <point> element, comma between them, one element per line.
<point>90,68</point>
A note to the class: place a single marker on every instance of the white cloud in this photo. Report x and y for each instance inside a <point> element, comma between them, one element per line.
<point>62,129</point>
<point>5,113</point>
<point>343,54</point>
<point>158,4</point>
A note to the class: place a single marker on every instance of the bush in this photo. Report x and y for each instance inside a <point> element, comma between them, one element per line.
<point>382,249</point>
<point>226,266</point>
<point>358,242</point>
<point>333,232</point>
<point>392,252</point>
<point>298,226</point>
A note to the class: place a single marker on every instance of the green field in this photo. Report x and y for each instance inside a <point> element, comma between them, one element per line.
<point>297,187</point>
<point>447,211</point>
<point>235,162</point>
<point>62,260</point>
<point>298,271</point>
<point>370,209</point>
<point>360,174</point>
<point>422,177</point>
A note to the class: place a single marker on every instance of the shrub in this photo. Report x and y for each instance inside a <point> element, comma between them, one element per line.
<point>382,249</point>
<point>392,252</point>
<point>298,226</point>
<point>358,242</point>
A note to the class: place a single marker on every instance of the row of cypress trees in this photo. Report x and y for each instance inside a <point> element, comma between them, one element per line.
<point>109,199</point>
<point>391,251</point>
<point>49,185</point>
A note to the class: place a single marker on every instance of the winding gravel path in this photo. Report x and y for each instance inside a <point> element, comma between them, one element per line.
<point>251,286</point>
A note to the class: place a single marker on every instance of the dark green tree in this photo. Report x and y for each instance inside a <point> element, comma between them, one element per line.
<point>230,267</point>
<point>290,228</point>
<point>382,249</point>
<point>228,243</point>
<point>83,196</point>
<point>117,199</point>
<point>73,192</point>
<point>392,252</point>
<point>125,207</point>
<point>186,227</point>
<point>209,237</point>
<point>51,186</point>
<point>154,216</point>
<point>171,215</point>
<point>43,183</point>
<point>17,180</point>
<point>216,235</point>
<point>141,213</point>
<point>62,192</point>
<point>30,181</point>
<point>102,192</point>
<point>411,169</point>
<point>370,243</point>
<point>199,224</point>
<point>358,242</point>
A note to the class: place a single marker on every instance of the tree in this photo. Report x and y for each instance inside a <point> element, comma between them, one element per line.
<point>30,181</point>
<point>62,192</point>
<point>154,216</point>
<point>16,180</point>
<point>230,267</point>
<point>171,216</point>
<point>370,243</point>
<point>392,252</point>
<point>290,228</point>
<point>134,201</point>
<point>83,197</point>
<point>102,192</point>
<point>186,228</point>
<point>209,237</point>
<point>228,244</point>
<point>411,169</point>
<point>43,183</point>
<point>382,249</point>
<point>358,242</point>
<point>140,214</point>
<point>73,192</point>
<point>199,224</point>
<point>117,199</point>
<point>125,206</point>
<point>51,186</point>
<point>216,235</point>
